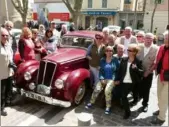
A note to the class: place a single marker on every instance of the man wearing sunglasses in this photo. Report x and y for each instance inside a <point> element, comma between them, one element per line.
<point>11,39</point>
<point>147,55</point>
<point>6,81</point>
<point>140,36</point>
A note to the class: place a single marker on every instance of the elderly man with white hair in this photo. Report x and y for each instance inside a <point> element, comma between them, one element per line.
<point>140,37</point>
<point>6,81</point>
<point>147,55</point>
<point>162,65</point>
<point>106,35</point>
<point>11,38</point>
<point>128,38</point>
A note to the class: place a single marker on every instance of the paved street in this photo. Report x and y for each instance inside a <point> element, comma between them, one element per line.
<point>33,113</point>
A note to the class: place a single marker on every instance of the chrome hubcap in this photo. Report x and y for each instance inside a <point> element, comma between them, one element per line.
<point>80,93</point>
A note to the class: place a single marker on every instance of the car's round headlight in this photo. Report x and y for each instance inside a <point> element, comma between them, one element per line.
<point>32,86</point>
<point>59,84</point>
<point>27,76</point>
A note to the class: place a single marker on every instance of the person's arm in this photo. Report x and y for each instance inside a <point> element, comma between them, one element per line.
<point>21,47</point>
<point>101,70</point>
<point>88,54</point>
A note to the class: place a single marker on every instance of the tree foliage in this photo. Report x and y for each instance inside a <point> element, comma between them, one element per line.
<point>74,8</point>
<point>22,7</point>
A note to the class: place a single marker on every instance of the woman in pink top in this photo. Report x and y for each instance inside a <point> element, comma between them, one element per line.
<point>26,45</point>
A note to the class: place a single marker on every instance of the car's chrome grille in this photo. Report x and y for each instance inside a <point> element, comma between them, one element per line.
<point>46,73</point>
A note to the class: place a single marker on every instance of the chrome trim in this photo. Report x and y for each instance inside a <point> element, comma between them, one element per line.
<point>38,74</point>
<point>48,100</point>
<point>53,73</point>
<point>44,72</point>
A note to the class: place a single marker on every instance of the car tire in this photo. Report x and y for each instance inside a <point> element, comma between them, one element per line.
<point>80,94</point>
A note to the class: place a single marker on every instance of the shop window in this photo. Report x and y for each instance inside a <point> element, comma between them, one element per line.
<point>104,3</point>
<point>127,2</point>
<point>90,3</point>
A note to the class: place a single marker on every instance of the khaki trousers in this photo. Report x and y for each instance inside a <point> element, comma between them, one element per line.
<point>162,94</point>
<point>108,92</point>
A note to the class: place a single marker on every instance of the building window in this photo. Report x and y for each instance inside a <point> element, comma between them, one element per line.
<point>90,3</point>
<point>104,3</point>
<point>127,1</point>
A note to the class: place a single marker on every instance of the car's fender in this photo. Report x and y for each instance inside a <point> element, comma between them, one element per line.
<point>23,66</point>
<point>30,66</point>
<point>73,81</point>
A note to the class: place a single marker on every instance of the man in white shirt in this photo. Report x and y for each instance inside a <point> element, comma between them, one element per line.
<point>53,28</point>
<point>6,82</point>
<point>128,38</point>
<point>147,55</point>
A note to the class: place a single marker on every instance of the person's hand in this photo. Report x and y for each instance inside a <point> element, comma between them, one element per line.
<point>98,68</point>
<point>146,74</point>
<point>89,58</point>
<point>117,82</point>
<point>134,66</point>
<point>103,82</point>
<point>49,52</point>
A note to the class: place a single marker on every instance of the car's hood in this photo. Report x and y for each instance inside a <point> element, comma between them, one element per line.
<point>66,54</point>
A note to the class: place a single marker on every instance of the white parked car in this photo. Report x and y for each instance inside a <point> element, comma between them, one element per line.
<point>114,28</point>
<point>16,33</point>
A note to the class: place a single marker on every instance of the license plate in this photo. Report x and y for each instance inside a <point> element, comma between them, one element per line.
<point>36,97</point>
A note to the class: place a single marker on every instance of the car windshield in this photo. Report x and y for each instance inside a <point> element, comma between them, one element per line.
<point>76,41</point>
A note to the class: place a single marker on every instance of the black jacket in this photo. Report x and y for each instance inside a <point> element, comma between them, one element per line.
<point>135,73</point>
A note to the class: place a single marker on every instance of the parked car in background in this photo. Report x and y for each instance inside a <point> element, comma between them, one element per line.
<point>61,78</point>
<point>114,28</point>
<point>16,33</point>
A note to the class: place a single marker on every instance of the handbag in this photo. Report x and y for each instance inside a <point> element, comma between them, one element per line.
<point>166,75</point>
<point>159,65</point>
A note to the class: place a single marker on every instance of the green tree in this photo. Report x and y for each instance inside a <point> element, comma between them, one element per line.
<point>22,7</point>
<point>156,2</point>
<point>74,8</point>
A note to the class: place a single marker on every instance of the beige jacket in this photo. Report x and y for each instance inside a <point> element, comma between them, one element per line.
<point>6,57</point>
<point>149,59</point>
<point>133,40</point>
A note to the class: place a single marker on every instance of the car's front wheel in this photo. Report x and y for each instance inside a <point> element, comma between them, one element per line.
<point>80,94</point>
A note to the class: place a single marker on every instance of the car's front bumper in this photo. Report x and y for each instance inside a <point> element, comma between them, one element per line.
<point>45,99</point>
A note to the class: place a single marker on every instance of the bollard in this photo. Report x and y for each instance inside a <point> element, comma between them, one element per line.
<point>84,119</point>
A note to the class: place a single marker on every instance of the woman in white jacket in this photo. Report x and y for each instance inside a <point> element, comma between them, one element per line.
<point>6,81</point>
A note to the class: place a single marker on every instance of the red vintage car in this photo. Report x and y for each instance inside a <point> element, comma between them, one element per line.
<point>62,77</point>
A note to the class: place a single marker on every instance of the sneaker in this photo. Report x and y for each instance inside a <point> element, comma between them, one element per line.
<point>107,111</point>
<point>157,121</point>
<point>156,113</point>
<point>88,106</point>
<point>3,113</point>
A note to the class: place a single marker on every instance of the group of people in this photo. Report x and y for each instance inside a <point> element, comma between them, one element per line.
<point>129,62</point>
<point>126,62</point>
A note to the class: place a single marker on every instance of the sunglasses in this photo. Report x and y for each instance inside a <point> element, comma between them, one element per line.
<point>9,26</point>
<point>139,36</point>
<point>3,35</point>
<point>99,38</point>
<point>109,51</point>
<point>130,50</point>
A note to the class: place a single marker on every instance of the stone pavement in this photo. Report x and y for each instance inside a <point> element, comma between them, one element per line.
<point>115,118</point>
<point>30,112</point>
